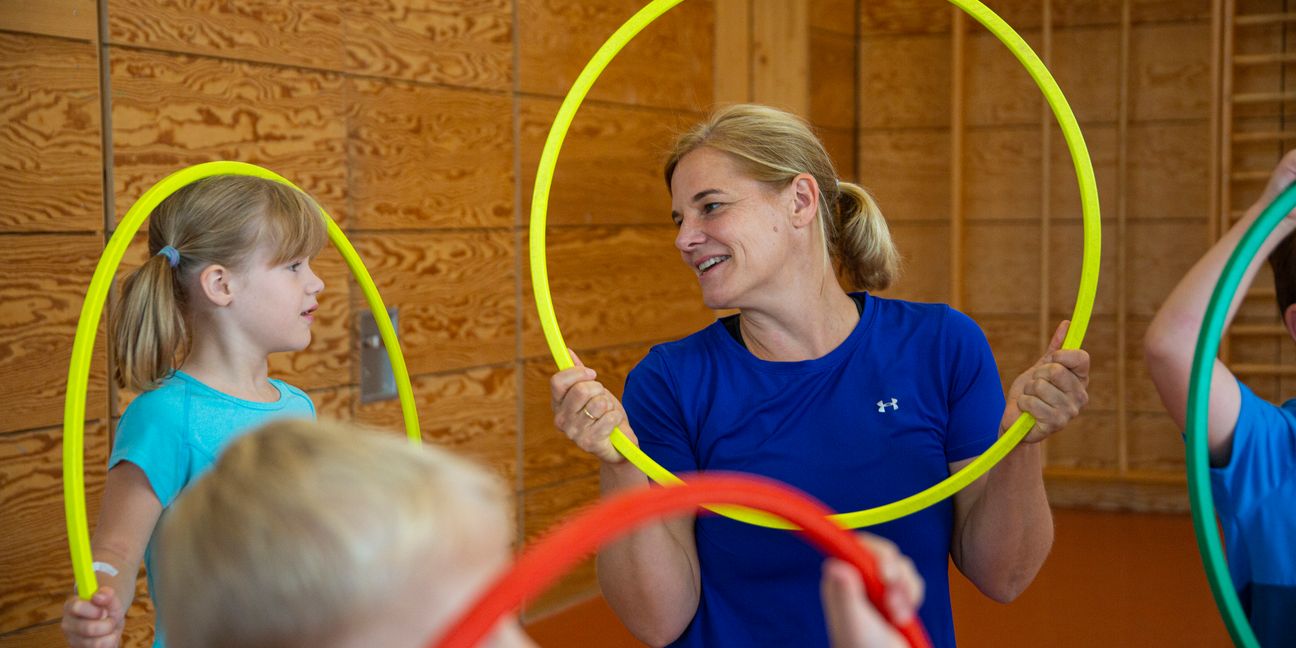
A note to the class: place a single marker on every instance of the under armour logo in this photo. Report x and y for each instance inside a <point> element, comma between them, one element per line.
<point>894,405</point>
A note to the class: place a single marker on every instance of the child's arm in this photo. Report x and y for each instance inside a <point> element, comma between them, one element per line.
<point>128,513</point>
<point>1172,337</point>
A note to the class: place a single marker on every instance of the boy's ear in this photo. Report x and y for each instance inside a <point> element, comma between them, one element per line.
<point>214,285</point>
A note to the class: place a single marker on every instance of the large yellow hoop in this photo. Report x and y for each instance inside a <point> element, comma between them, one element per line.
<point>1079,318</point>
<point>83,346</point>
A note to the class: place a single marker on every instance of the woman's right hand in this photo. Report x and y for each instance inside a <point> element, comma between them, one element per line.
<point>96,623</point>
<point>586,411</point>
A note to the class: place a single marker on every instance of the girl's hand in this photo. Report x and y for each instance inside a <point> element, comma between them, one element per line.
<point>586,411</point>
<point>853,622</point>
<point>1053,391</point>
<point>96,623</point>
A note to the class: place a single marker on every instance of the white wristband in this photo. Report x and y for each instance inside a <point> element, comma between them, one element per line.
<point>104,567</point>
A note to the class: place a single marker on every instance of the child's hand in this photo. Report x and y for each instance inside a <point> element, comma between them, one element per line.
<point>96,623</point>
<point>853,621</point>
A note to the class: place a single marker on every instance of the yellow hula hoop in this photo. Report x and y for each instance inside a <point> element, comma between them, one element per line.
<point>1079,318</point>
<point>83,346</point>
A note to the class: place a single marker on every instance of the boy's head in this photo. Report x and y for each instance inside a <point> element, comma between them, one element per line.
<point>318,534</point>
<point>1283,262</point>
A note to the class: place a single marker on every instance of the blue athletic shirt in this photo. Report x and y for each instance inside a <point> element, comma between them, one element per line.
<point>176,432</point>
<point>913,388</point>
<point>1255,496</point>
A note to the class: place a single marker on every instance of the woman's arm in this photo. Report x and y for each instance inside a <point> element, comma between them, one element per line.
<point>650,578</point>
<point>128,513</point>
<point>1003,527</point>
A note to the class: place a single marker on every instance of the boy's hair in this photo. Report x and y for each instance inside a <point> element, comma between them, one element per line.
<point>305,534</point>
<point>217,220</point>
<point>1283,262</point>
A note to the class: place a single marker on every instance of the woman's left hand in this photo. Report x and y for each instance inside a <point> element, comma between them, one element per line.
<point>1053,391</point>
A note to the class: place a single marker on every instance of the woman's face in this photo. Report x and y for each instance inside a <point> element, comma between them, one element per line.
<point>733,230</point>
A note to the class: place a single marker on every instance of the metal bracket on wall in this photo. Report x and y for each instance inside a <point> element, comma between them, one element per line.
<point>377,382</point>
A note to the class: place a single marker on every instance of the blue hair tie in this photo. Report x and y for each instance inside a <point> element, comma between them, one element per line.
<point>172,255</point>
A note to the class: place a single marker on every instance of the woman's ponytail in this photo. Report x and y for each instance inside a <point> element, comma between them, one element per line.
<point>863,243</point>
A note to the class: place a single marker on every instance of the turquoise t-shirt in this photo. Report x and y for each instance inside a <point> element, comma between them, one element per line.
<point>175,433</point>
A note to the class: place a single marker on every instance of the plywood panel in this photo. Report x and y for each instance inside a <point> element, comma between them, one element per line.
<point>1085,63</point>
<point>610,169</point>
<point>1001,171</point>
<point>1108,12</point>
<point>840,145</point>
<point>924,268</point>
<point>425,157</point>
<point>732,51</point>
<point>455,292</point>
<point>904,81</point>
<point>836,16</point>
<point>1167,171</point>
<point>832,80</point>
<point>50,179</point>
<point>908,172</point>
<point>1160,254</point>
<point>999,90</point>
<point>471,412</point>
<point>1015,343</point>
<point>616,285</point>
<point>543,509</point>
<point>44,279</point>
<point>1001,274</point>
<point>781,54</point>
<point>1064,189</point>
<point>335,403</point>
<point>455,42</point>
<point>33,548</point>
<point>173,111</point>
<point>904,16</point>
<point>550,457</point>
<point>1170,74</point>
<point>668,65</point>
<point>1066,253</point>
<point>307,33</point>
<point>76,19</point>
<point>1090,441</point>
<point>1155,443</point>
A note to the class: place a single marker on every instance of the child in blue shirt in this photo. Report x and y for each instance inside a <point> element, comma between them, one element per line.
<point>1251,442</point>
<point>228,282</point>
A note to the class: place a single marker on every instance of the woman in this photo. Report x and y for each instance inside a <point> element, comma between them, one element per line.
<point>856,399</point>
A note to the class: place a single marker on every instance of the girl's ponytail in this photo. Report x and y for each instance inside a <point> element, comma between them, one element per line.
<point>863,242</point>
<point>149,328</point>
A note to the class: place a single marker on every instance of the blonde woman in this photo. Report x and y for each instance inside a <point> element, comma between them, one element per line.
<point>856,399</point>
<point>228,282</point>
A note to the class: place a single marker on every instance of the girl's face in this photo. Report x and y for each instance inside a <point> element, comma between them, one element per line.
<point>275,305</point>
<point>733,230</point>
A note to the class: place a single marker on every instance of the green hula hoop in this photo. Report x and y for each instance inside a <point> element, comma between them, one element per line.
<point>1195,427</point>
<point>91,310</point>
<point>1079,319</point>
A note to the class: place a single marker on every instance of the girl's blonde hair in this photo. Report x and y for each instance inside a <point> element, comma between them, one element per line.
<point>217,220</point>
<point>774,147</point>
<point>305,533</point>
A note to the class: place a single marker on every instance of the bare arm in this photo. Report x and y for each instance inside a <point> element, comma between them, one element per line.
<point>1172,337</point>
<point>650,577</point>
<point>128,513</point>
<point>1003,528</point>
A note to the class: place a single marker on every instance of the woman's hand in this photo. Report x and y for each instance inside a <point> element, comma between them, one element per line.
<point>1053,391</point>
<point>586,411</point>
<point>853,622</point>
<point>96,623</point>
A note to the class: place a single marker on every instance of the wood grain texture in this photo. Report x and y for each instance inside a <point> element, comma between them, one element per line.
<point>1166,171</point>
<point>908,173</point>
<point>33,548</point>
<point>1066,253</point>
<point>840,145</point>
<point>1015,343</point>
<point>904,17</point>
<point>456,42</point>
<point>423,157</point>
<point>924,269</point>
<point>732,51</point>
<point>836,16</point>
<point>1090,441</point>
<point>1084,64</point>
<point>1164,253</point>
<point>1170,72</point>
<point>1064,189</point>
<point>50,179</point>
<point>307,33</point>
<point>471,412</point>
<point>549,456</point>
<point>781,55</point>
<point>77,19</point>
<point>615,285</point>
<point>455,292</point>
<point>1001,171</point>
<point>172,111</point>
<point>668,65</point>
<point>544,509</point>
<point>904,82</point>
<point>1155,443</point>
<point>336,403</point>
<point>44,281</point>
<point>832,80</point>
<point>1001,275</point>
<point>610,169</point>
<point>999,90</point>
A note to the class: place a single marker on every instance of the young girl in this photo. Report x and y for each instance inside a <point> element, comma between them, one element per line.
<point>228,283</point>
